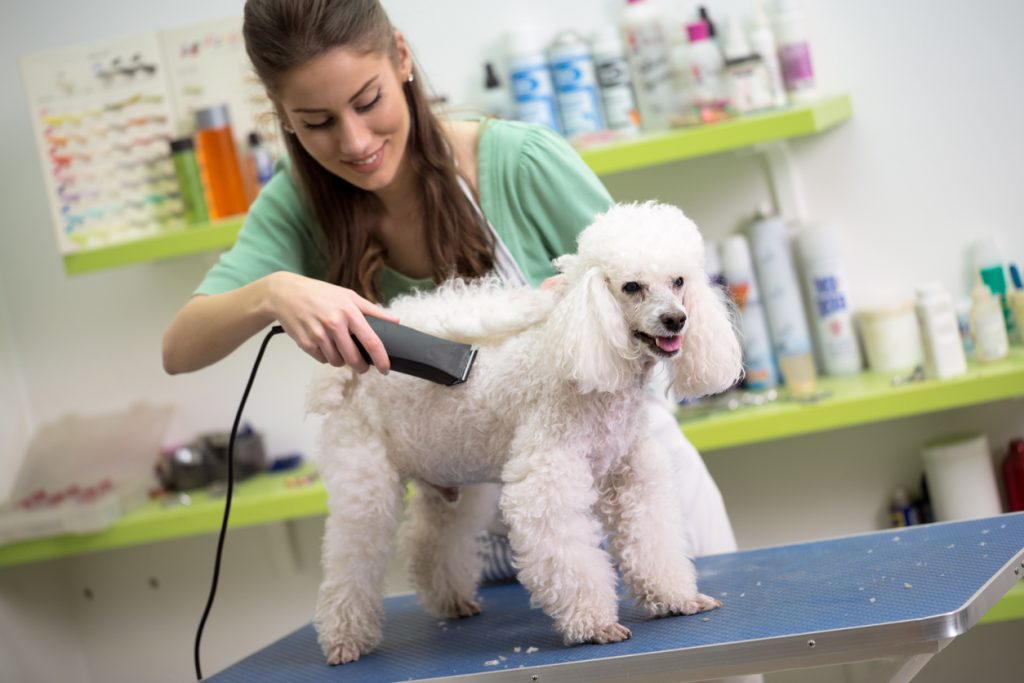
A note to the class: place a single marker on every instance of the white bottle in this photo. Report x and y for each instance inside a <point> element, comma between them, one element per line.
<point>647,54</point>
<point>620,112</point>
<point>987,325</point>
<point>794,50</point>
<point>707,67</point>
<point>576,89</point>
<point>762,40</point>
<point>533,91</point>
<point>748,86</point>
<point>940,333</point>
<point>827,289</point>
<point>738,269</point>
<point>769,241</point>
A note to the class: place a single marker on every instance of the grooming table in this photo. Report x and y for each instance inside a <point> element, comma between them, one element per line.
<point>897,596</point>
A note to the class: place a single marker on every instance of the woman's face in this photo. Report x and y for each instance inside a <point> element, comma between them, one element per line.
<point>350,113</point>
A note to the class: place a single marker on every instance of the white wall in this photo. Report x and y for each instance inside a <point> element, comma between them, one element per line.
<point>929,161</point>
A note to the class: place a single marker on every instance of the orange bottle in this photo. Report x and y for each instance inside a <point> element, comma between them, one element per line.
<point>218,163</point>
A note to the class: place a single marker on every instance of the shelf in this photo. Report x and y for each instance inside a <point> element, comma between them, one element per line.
<point>862,399</point>
<point>259,500</point>
<point>191,240</point>
<point>744,131</point>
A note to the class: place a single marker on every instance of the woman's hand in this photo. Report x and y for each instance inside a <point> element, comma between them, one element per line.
<point>322,318</point>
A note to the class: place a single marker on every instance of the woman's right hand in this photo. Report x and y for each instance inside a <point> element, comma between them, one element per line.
<point>321,318</point>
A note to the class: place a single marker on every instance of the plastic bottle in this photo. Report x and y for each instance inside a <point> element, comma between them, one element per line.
<point>902,510</point>
<point>748,84</point>
<point>828,291</point>
<point>261,161</point>
<point>620,112</point>
<point>707,67</point>
<point>218,163</point>
<point>189,180</point>
<point>713,264</point>
<point>496,100</point>
<point>989,265</point>
<point>576,89</point>
<point>738,269</point>
<point>988,327</point>
<point>794,50</point>
<point>940,333</point>
<point>762,40</point>
<point>647,54</point>
<point>786,320</point>
<point>533,92</point>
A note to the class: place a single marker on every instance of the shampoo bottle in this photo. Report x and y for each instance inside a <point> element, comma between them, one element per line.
<point>533,91</point>
<point>738,269</point>
<point>781,290</point>
<point>987,325</point>
<point>647,53</point>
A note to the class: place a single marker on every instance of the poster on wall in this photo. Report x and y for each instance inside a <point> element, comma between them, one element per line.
<point>102,120</point>
<point>103,116</point>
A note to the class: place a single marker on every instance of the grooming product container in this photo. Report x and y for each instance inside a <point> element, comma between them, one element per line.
<point>891,337</point>
<point>576,89</point>
<point>827,288</point>
<point>738,269</point>
<point>533,91</point>
<point>620,112</point>
<point>190,183</point>
<point>780,290</point>
<point>988,327</point>
<point>647,54</point>
<point>940,333</point>
<point>961,478</point>
<point>218,163</point>
<point>1013,475</point>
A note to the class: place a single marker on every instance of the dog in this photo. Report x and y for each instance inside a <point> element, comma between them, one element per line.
<point>553,411</point>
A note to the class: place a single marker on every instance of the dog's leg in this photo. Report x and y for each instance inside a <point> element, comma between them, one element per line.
<point>640,512</point>
<point>546,501</point>
<point>440,540</point>
<point>364,500</point>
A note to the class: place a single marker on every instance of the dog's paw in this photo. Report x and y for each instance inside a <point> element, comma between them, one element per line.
<point>698,603</point>
<point>343,653</point>
<point>610,633</point>
<point>463,608</point>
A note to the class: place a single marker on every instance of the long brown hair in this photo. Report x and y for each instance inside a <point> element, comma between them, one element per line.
<point>283,34</point>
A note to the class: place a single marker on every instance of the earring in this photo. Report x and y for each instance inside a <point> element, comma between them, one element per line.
<point>411,78</point>
<point>288,129</point>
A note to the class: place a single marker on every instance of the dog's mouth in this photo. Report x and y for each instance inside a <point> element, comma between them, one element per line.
<point>661,346</point>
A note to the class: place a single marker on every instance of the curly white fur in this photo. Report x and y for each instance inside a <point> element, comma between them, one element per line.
<point>553,411</point>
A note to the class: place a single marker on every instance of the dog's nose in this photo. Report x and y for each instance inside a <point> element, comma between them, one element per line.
<point>673,323</point>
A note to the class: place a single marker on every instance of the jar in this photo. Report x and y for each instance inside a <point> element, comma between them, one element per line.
<point>892,341</point>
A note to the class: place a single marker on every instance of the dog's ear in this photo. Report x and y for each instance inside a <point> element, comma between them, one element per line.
<point>710,360</point>
<point>589,339</point>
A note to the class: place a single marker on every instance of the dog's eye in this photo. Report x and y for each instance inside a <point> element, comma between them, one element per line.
<point>631,287</point>
<point>678,283</point>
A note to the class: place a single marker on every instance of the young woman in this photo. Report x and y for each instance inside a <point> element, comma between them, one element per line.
<point>379,197</point>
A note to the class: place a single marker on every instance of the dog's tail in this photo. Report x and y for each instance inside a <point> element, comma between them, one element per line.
<point>479,312</point>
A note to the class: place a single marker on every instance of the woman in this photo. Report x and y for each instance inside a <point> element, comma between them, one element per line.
<point>380,198</point>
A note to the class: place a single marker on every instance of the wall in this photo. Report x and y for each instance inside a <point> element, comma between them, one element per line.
<point>930,160</point>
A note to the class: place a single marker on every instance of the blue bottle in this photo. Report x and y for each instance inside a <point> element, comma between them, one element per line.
<point>533,90</point>
<point>576,88</point>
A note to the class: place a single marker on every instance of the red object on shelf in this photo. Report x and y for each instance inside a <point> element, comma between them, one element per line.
<point>1013,475</point>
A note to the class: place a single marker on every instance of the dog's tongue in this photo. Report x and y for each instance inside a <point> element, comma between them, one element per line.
<point>669,344</point>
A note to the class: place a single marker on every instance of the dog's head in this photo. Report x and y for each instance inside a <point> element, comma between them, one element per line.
<point>636,292</point>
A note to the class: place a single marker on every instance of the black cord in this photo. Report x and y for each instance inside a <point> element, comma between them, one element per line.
<point>277,329</point>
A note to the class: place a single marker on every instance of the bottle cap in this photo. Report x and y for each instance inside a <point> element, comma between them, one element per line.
<point>606,40</point>
<point>985,252</point>
<point>490,77</point>
<point>736,45</point>
<point>697,31</point>
<point>569,43</point>
<point>712,261</point>
<point>213,117</point>
<point>736,254</point>
<point>254,139</point>
<point>182,145</point>
<point>525,42</point>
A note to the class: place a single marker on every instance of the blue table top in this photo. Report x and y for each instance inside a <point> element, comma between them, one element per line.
<point>882,593</point>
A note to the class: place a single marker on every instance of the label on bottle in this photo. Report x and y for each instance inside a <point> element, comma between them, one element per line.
<point>616,93</point>
<point>649,58</point>
<point>834,319</point>
<point>576,90</point>
<point>534,94</point>
<point>797,71</point>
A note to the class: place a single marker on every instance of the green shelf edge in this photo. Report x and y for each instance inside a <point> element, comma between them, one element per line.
<point>744,131</point>
<point>863,399</point>
<point>171,244</point>
<point>262,499</point>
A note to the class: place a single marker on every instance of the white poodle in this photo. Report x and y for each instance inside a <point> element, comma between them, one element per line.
<point>554,411</point>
